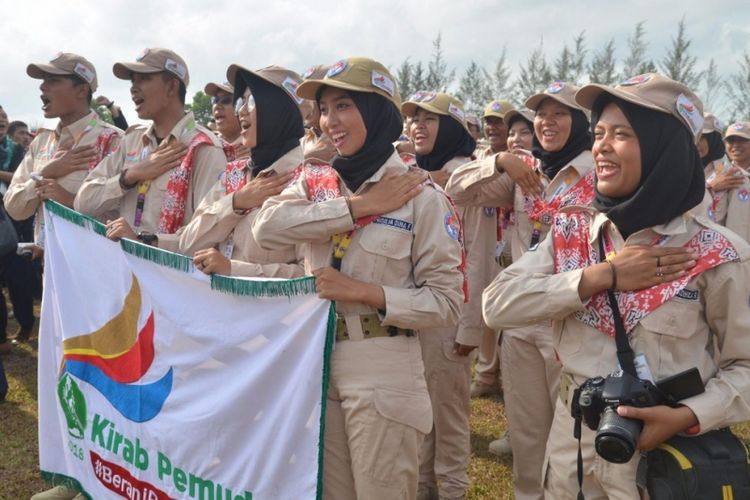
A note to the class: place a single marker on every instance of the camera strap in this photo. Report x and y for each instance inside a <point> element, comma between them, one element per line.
<point>625,356</point>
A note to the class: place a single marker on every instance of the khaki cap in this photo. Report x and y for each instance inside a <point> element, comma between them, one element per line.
<point>497,108</point>
<point>213,88</point>
<point>316,72</point>
<point>436,102</point>
<point>154,60</point>
<point>66,63</point>
<point>562,92</point>
<point>738,129</point>
<point>525,113</point>
<point>472,119</point>
<point>283,78</point>
<point>711,124</point>
<point>652,91</point>
<point>360,74</point>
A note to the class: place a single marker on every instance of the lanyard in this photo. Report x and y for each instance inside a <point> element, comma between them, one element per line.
<point>142,190</point>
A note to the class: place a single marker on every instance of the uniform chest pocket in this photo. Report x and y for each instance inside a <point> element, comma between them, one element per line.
<point>386,253</point>
<point>675,318</point>
<point>390,243</point>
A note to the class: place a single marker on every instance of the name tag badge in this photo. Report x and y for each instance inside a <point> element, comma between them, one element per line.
<point>394,223</point>
<point>689,294</point>
<point>228,248</point>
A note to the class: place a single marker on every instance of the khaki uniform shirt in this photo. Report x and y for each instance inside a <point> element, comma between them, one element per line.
<point>708,329</point>
<point>479,184</point>
<point>216,223</point>
<point>21,201</point>
<point>411,251</point>
<point>480,238</point>
<point>101,191</point>
<point>733,207</point>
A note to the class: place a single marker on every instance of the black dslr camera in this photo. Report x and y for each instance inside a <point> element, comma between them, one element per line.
<point>597,399</point>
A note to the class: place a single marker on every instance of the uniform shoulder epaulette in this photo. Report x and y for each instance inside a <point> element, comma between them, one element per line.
<point>135,127</point>
<point>108,125</point>
<point>211,135</point>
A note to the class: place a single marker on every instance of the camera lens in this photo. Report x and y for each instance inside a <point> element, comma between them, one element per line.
<point>616,436</point>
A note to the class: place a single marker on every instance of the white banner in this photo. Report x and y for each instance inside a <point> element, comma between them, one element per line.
<point>153,385</point>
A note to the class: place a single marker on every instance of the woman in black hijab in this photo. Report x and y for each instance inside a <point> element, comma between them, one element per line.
<point>386,249</point>
<point>270,117</point>
<point>680,284</point>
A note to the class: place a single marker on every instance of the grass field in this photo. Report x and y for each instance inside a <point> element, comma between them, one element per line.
<point>19,463</point>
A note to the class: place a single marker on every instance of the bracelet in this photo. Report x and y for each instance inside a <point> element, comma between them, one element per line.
<point>614,275</point>
<point>124,185</point>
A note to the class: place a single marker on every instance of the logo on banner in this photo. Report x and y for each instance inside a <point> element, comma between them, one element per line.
<point>117,355</point>
<point>73,404</point>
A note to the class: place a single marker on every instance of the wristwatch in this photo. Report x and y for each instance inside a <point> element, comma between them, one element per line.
<point>148,238</point>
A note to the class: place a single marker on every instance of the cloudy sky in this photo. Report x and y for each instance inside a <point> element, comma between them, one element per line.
<point>212,35</point>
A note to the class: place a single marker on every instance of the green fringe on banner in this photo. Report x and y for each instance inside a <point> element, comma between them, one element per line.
<point>157,255</point>
<point>76,218</point>
<point>56,479</point>
<point>257,288</point>
<point>330,338</point>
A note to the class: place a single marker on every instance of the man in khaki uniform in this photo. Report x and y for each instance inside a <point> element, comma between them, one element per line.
<point>487,369</point>
<point>59,160</point>
<point>222,110</point>
<point>445,452</point>
<point>529,365</point>
<point>160,173</point>
<point>732,207</point>
<point>399,273</point>
<point>225,216</point>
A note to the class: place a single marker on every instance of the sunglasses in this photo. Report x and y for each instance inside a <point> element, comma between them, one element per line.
<point>242,102</point>
<point>224,100</point>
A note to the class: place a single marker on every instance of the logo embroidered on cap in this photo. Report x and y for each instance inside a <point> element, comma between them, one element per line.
<point>690,113</point>
<point>143,54</point>
<point>743,195</point>
<point>451,226</point>
<point>423,96</point>
<point>290,85</point>
<point>456,111</point>
<point>738,126</point>
<point>496,107</point>
<point>636,80</point>
<point>555,87</point>
<point>174,67</point>
<point>382,82</point>
<point>84,72</point>
<point>337,68</point>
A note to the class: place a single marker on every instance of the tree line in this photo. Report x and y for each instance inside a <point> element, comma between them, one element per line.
<point>723,95</point>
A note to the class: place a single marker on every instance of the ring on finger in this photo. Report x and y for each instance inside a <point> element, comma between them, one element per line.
<point>659,272</point>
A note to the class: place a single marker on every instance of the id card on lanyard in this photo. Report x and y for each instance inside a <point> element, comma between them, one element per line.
<point>142,190</point>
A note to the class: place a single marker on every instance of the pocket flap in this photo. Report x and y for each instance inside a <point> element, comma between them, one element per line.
<point>410,408</point>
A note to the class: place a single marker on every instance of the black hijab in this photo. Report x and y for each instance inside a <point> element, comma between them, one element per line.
<point>452,140</point>
<point>672,180</point>
<point>383,124</point>
<point>716,148</point>
<point>278,120</point>
<point>578,142</point>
